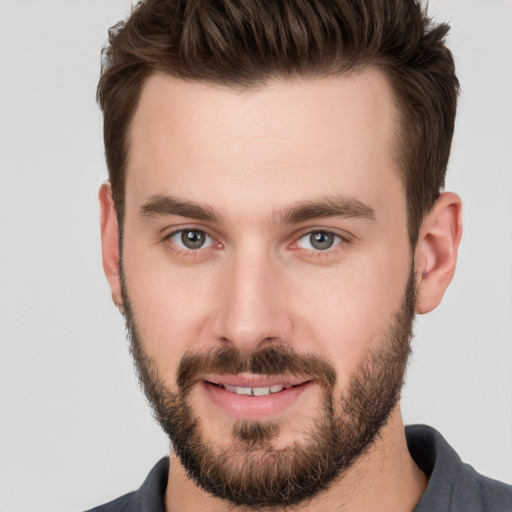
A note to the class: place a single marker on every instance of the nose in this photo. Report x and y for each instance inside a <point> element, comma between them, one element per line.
<point>252,310</point>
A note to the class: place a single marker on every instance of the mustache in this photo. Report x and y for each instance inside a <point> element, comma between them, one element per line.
<point>270,361</point>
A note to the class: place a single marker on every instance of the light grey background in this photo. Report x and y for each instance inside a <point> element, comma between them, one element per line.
<point>74,430</point>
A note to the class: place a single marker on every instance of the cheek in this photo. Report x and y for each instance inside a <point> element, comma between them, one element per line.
<point>348,311</point>
<point>170,306</point>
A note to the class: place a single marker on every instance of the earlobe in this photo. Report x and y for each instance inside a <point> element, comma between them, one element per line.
<point>110,242</point>
<point>436,251</point>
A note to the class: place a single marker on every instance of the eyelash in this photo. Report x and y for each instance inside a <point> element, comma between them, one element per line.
<point>340,244</point>
<point>340,240</point>
<point>186,251</point>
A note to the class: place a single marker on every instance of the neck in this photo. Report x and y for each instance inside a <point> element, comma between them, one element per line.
<point>384,479</point>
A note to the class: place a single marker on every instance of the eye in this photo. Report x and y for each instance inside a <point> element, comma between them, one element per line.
<point>191,239</point>
<point>319,240</point>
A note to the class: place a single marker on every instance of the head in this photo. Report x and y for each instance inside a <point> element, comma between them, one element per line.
<point>274,221</point>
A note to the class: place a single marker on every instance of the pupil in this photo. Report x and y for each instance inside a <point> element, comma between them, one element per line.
<point>321,240</point>
<point>192,239</point>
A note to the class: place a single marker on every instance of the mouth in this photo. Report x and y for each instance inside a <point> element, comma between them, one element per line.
<point>256,391</point>
<point>254,397</point>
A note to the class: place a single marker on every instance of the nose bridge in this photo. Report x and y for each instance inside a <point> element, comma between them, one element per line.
<point>253,309</point>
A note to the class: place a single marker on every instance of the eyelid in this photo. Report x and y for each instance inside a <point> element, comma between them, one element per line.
<point>169,231</point>
<point>344,239</point>
<point>172,245</point>
<point>344,235</point>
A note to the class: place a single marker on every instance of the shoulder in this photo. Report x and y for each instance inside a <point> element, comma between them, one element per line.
<point>148,498</point>
<point>496,496</point>
<point>453,485</point>
<point>127,503</point>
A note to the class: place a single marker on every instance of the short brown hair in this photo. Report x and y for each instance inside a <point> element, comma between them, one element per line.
<point>245,43</point>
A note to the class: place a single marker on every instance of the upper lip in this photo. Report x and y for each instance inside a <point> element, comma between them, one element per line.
<point>248,380</point>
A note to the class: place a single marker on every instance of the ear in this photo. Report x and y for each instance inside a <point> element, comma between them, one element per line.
<point>110,242</point>
<point>436,251</point>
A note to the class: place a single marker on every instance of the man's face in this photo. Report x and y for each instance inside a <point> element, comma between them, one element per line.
<point>267,274</point>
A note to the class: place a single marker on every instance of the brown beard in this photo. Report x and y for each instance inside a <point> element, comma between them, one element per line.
<point>252,473</point>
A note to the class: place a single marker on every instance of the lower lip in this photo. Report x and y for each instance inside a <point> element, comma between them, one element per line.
<point>253,407</point>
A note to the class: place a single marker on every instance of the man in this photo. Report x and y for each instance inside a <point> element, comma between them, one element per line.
<point>272,224</point>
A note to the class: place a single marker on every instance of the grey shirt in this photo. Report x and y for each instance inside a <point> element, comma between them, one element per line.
<point>453,486</point>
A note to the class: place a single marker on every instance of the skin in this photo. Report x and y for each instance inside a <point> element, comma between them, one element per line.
<point>249,156</point>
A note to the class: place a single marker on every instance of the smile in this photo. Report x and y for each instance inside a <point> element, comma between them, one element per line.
<point>254,396</point>
<point>259,391</point>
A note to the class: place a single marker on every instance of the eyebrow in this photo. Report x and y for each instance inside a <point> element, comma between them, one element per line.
<point>335,206</point>
<point>160,206</point>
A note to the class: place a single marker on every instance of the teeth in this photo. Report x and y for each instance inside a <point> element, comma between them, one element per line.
<point>260,391</point>
<point>255,391</point>
<point>238,390</point>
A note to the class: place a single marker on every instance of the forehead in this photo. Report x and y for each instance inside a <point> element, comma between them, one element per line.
<point>271,144</point>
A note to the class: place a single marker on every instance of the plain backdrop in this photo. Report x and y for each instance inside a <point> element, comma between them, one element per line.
<point>74,429</point>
